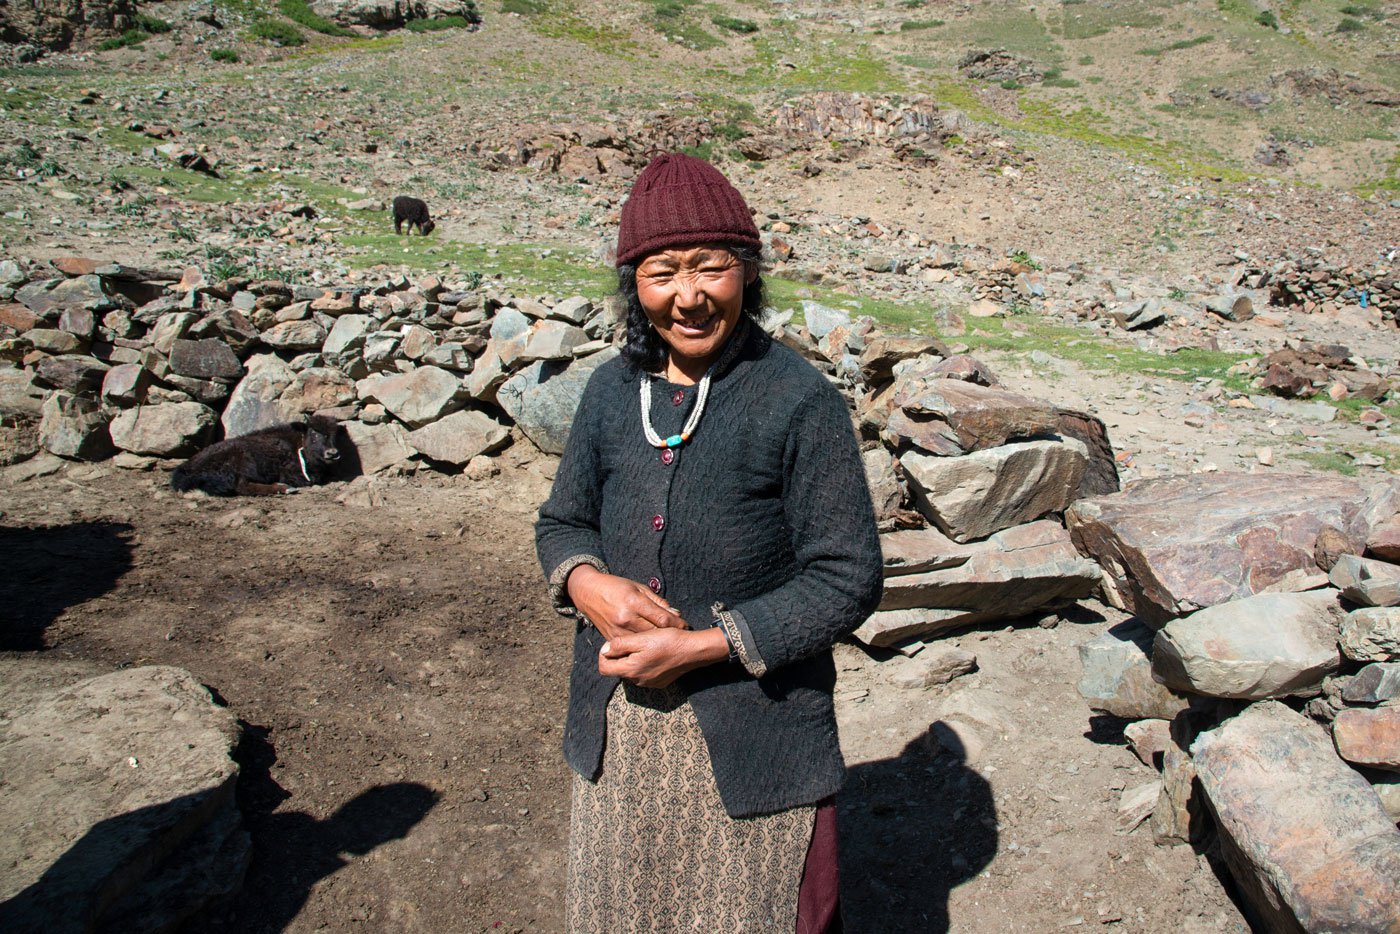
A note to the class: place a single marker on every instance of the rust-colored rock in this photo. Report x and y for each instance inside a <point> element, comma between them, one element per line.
<point>1384,540</point>
<point>75,265</point>
<point>1170,547</point>
<point>1369,736</point>
<point>1304,835</point>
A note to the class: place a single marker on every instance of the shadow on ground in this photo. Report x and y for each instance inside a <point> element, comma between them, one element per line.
<point>292,850</point>
<point>47,569</point>
<point>912,829</point>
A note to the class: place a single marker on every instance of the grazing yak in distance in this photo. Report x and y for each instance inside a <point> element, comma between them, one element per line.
<point>413,212</point>
<point>265,462</point>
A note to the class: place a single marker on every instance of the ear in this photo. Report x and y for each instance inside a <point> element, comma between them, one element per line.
<point>750,273</point>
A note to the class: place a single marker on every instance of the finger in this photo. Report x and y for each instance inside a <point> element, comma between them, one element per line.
<point>661,618</point>
<point>619,647</point>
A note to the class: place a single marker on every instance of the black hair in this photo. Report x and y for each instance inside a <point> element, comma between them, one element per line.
<point>644,349</point>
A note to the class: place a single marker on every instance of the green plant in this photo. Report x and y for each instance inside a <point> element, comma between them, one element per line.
<point>152,24</point>
<point>223,55</point>
<point>278,32</point>
<point>1267,18</point>
<point>1176,46</point>
<point>129,39</point>
<point>1176,294</point>
<point>734,24</point>
<point>182,233</point>
<point>1086,59</point>
<point>1350,25</point>
<point>50,168</point>
<point>913,24</point>
<point>1023,258</point>
<point>436,25</point>
<point>23,156</point>
<point>1011,84</point>
<point>524,7</point>
<point>300,12</point>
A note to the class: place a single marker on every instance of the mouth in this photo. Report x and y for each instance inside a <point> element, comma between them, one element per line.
<point>696,327</point>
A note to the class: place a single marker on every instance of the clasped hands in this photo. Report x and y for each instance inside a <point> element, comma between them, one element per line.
<point>647,641</point>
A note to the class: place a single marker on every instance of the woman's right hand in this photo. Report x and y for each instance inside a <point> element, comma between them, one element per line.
<point>616,605</point>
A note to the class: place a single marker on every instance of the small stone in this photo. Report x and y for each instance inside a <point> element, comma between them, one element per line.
<point>1148,739</point>
<point>1136,805</point>
<point>1374,684</point>
<point>935,665</point>
<point>1369,736</point>
<point>1367,581</point>
<point>1372,634</point>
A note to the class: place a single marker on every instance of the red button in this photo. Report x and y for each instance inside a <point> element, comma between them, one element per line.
<point>655,584</point>
<point>667,456</point>
<point>677,397</point>
<point>658,523</point>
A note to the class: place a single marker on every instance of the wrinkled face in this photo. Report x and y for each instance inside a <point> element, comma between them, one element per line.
<point>693,297</point>
<point>320,441</point>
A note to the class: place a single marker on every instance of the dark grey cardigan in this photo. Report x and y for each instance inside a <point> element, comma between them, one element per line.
<point>761,522</point>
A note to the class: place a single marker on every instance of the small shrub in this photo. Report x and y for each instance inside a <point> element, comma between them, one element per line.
<point>300,12</point>
<point>914,24</point>
<point>912,4</point>
<point>524,7</point>
<point>23,156</point>
<point>129,39</point>
<point>224,55</point>
<point>152,24</point>
<point>1011,84</point>
<point>436,25</point>
<point>1060,83</point>
<point>1267,18</point>
<point>1350,25</point>
<point>50,168</point>
<point>1086,59</point>
<point>1176,294</point>
<point>278,32</point>
<point>734,24</point>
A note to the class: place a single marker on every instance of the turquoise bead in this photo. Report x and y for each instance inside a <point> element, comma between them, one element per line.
<point>674,441</point>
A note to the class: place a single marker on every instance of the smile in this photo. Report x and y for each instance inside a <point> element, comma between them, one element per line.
<point>695,327</point>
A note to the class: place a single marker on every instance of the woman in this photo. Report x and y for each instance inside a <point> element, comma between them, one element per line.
<point>711,531</point>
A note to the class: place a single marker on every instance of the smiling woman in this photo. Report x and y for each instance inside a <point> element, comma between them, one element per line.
<point>711,534</point>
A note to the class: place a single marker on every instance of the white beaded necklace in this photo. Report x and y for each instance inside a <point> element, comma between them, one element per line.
<point>674,441</point>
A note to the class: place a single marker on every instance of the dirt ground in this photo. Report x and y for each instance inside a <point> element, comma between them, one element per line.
<point>401,680</point>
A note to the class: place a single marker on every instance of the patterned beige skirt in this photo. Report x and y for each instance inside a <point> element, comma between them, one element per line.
<point>651,849</point>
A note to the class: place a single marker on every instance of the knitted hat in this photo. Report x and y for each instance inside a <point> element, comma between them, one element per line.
<point>680,200</point>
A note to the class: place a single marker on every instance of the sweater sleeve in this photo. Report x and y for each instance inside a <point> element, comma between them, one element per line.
<point>566,533</point>
<point>839,579</point>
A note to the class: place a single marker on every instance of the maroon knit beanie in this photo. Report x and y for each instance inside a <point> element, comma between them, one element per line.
<point>680,200</point>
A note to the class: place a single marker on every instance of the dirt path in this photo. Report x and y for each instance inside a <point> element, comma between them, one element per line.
<point>402,681</point>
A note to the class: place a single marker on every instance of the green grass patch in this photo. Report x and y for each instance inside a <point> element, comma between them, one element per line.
<point>152,24</point>
<point>734,24</point>
<point>224,55</point>
<point>1267,19</point>
<point>127,40</point>
<point>1329,461</point>
<point>438,24</point>
<point>300,12</point>
<point>906,317</point>
<point>1387,185</point>
<point>537,268</point>
<point>1085,21</point>
<point>669,18</point>
<point>1349,24</point>
<point>524,7</point>
<point>277,32</point>
<point>1176,46</point>
<point>916,24</point>
<point>1018,31</point>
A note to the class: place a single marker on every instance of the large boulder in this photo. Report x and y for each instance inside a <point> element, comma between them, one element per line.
<point>204,359</point>
<point>1117,675</point>
<point>417,398</point>
<point>170,429</point>
<point>385,14</point>
<point>459,437</point>
<point>1173,546</point>
<point>77,373</point>
<point>133,776</point>
<point>75,427</point>
<point>950,416</point>
<point>20,395</point>
<point>316,389</point>
<point>542,398</point>
<point>372,448</point>
<point>1304,835</point>
<point>973,496</point>
<point>51,297</point>
<point>254,401</point>
<point>1018,571</point>
<point>1269,645</point>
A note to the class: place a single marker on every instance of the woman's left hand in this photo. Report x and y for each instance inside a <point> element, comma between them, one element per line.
<point>657,657</point>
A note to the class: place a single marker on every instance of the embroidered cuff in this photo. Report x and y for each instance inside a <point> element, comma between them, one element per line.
<point>741,643</point>
<point>558,582</point>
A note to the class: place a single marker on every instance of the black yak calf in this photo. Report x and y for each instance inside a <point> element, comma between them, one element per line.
<point>413,212</point>
<point>261,463</point>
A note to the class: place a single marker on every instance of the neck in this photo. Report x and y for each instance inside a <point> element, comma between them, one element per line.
<point>687,372</point>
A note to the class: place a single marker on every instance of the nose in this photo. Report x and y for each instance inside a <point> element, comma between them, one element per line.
<point>331,455</point>
<point>688,292</point>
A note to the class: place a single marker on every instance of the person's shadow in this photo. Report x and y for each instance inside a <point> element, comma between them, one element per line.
<point>46,569</point>
<point>912,828</point>
<point>292,850</point>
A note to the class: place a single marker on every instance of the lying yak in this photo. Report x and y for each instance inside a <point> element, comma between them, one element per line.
<point>261,463</point>
<point>413,212</point>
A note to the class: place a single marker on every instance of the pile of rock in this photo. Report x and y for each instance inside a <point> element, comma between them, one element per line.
<point>1304,369</point>
<point>988,473</point>
<point>1311,284</point>
<point>150,364</point>
<point>1249,591</point>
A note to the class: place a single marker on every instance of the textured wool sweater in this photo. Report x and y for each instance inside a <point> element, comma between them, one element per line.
<point>761,523</point>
